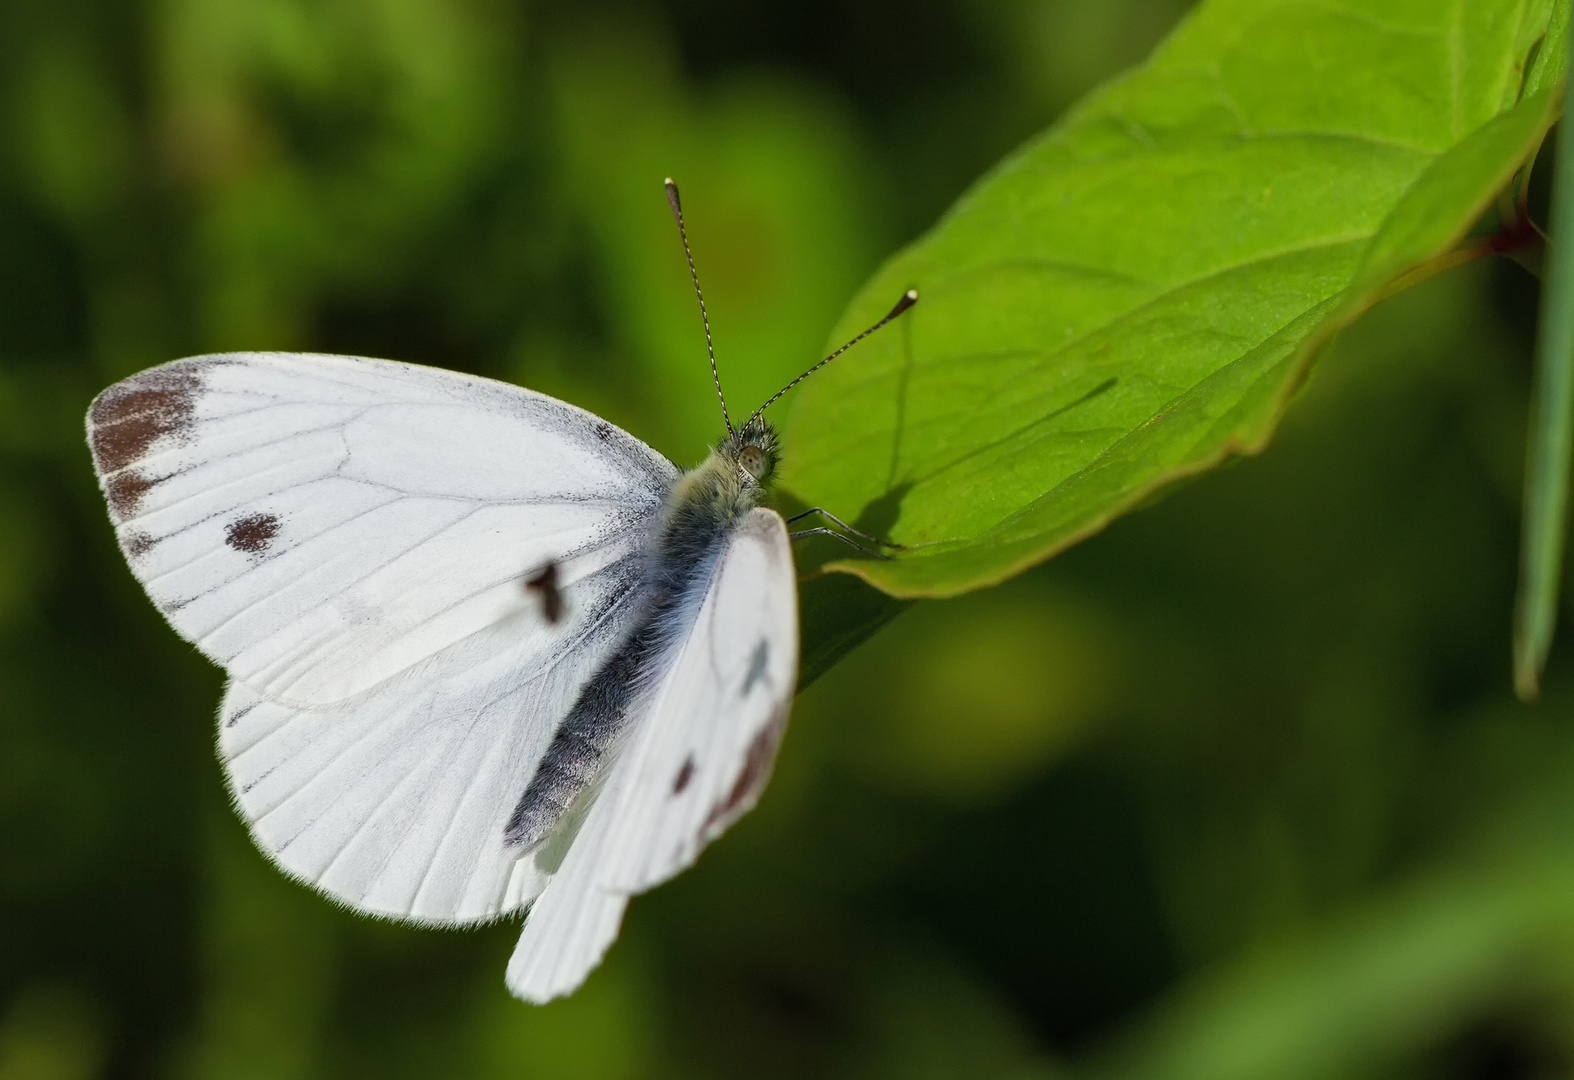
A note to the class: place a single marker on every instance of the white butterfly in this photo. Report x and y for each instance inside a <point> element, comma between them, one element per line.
<point>486,651</point>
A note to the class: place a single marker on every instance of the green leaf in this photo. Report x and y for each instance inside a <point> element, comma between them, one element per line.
<point>1135,294</point>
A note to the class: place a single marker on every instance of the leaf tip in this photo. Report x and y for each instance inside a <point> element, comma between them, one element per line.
<point>1529,660</point>
<point>1527,685</point>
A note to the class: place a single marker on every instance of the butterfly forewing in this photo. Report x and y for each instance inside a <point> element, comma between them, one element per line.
<point>317,524</point>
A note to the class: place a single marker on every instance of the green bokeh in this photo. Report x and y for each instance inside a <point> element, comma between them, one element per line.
<point>1235,789</point>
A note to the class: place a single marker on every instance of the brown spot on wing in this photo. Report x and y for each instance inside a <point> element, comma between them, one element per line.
<point>124,492</point>
<point>252,534</point>
<point>132,415</point>
<point>685,774</point>
<point>752,777</point>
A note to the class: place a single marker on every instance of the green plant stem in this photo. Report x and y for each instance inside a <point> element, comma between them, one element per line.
<point>1551,436</point>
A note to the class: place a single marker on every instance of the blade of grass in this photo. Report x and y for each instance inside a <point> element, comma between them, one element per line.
<point>1551,436</point>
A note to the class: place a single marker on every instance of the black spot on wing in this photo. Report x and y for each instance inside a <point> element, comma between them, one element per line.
<point>685,774</point>
<point>544,582</point>
<point>252,534</point>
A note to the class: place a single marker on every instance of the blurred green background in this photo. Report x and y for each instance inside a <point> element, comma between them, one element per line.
<point>1236,789</point>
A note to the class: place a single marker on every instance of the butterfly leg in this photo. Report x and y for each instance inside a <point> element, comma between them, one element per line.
<point>836,520</point>
<point>844,539</point>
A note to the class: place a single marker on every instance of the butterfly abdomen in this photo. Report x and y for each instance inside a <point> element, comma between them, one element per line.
<point>704,507</point>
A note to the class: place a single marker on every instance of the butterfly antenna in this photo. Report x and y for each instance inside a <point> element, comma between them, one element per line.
<point>909,298</point>
<point>683,234</point>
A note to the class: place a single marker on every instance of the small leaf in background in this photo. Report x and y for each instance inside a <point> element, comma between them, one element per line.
<point>1550,442</point>
<point>1134,295</point>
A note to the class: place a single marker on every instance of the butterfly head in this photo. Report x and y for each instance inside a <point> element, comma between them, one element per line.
<point>752,448</point>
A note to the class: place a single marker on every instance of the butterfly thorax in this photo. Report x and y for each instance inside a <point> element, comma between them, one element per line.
<point>709,499</point>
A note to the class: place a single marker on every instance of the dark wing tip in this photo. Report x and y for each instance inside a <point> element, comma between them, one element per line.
<point>129,417</point>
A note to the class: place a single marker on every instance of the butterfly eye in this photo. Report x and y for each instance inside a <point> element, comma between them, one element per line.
<point>755,461</point>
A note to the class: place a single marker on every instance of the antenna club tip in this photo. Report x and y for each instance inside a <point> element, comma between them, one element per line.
<point>909,298</point>
<point>668,182</point>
